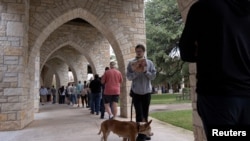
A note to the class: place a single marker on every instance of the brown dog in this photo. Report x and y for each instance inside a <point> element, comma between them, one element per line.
<point>126,129</point>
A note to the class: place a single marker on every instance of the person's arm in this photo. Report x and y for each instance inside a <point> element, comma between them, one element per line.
<point>188,41</point>
<point>130,73</point>
<point>151,71</point>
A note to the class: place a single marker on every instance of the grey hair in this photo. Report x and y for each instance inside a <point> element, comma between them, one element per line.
<point>112,64</point>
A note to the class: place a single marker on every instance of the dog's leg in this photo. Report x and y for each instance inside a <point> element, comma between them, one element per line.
<point>125,139</point>
<point>105,135</point>
<point>132,137</point>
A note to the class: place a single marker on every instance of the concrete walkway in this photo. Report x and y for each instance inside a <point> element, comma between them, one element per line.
<point>57,122</point>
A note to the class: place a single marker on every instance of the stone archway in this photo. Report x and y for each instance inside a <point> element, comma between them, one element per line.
<point>114,35</point>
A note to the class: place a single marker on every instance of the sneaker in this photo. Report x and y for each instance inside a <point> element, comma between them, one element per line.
<point>111,117</point>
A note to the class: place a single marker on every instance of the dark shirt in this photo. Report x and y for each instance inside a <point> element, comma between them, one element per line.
<point>217,37</point>
<point>95,86</point>
<point>53,91</point>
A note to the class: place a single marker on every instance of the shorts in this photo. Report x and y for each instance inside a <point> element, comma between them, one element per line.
<point>110,98</point>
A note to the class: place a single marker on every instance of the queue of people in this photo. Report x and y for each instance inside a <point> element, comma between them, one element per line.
<point>103,93</point>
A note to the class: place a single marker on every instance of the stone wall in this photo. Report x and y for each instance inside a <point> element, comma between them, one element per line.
<point>33,35</point>
<point>15,102</point>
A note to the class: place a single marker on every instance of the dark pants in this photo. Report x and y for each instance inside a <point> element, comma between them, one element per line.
<point>228,112</point>
<point>54,98</point>
<point>141,104</point>
<point>102,108</point>
<point>48,98</point>
<point>89,99</point>
<point>62,99</point>
<point>84,99</point>
<point>95,104</point>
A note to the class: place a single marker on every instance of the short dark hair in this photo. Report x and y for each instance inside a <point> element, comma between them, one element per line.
<point>140,46</point>
<point>107,68</point>
<point>96,76</point>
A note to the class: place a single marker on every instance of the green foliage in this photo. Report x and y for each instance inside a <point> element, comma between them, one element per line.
<point>163,30</point>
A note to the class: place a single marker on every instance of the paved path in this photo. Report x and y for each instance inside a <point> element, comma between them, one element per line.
<point>64,123</point>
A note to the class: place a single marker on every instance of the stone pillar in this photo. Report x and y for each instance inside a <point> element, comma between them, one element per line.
<point>16,101</point>
<point>48,78</point>
<point>36,84</point>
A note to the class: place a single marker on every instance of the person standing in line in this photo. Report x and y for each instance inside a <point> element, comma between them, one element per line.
<point>89,94</point>
<point>102,107</point>
<point>53,92</point>
<point>79,89</point>
<point>112,80</point>
<point>74,95</point>
<point>84,94</point>
<point>43,94</point>
<point>69,92</point>
<point>141,71</point>
<point>49,94</point>
<point>95,88</point>
<point>62,94</point>
<point>216,37</point>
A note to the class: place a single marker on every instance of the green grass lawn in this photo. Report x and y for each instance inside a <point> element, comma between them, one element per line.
<point>166,99</point>
<point>180,118</point>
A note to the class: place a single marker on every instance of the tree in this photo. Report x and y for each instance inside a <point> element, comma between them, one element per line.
<point>164,26</point>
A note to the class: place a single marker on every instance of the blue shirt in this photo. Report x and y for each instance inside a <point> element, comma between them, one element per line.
<point>79,88</point>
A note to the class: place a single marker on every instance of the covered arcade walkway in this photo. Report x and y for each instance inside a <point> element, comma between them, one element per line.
<point>56,122</point>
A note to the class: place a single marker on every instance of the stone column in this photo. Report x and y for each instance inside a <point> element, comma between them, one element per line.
<point>16,101</point>
<point>36,87</point>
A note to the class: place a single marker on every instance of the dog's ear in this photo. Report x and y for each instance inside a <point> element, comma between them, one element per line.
<point>149,122</point>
